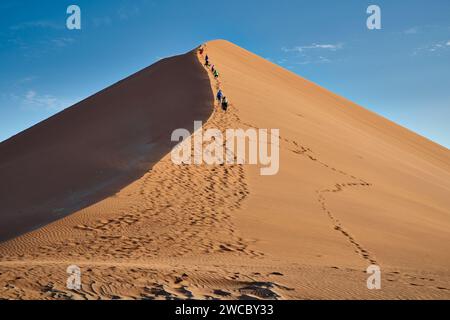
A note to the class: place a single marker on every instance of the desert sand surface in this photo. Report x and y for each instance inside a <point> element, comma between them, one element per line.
<point>353,189</point>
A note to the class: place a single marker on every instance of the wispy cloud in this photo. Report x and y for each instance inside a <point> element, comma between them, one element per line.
<point>62,41</point>
<point>44,24</point>
<point>122,14</point>
<point>424,29</point>
<point>317,60</point>
<point>128,12</point>
<point>33,100</point>
<point>413,30</point>
<point>434,48</point>
<point>39,47</point>
<point>316,53</point>
<point>314,46</point>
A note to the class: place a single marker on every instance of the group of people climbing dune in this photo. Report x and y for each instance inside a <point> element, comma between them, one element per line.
<point>221,98</point>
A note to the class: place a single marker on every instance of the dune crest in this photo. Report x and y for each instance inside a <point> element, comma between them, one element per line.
<point>353,189</point>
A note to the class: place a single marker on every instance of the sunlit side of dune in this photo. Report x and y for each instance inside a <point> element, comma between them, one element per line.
<point>382,189</point>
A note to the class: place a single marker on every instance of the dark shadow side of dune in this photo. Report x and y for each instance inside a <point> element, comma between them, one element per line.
<point>98,146</point>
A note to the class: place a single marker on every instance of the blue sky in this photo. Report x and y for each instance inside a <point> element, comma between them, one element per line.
<point>400,71</point>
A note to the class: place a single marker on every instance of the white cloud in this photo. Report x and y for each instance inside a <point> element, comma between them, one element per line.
<point>315,53</point>
<point>330,47</point>
<point>435,48</point>
<point>30,95</point>
<point>34,100</point>
<point>413,30</point>
<point>318,60</point>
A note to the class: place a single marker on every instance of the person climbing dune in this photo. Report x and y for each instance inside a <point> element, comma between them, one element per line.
<point>219,95</point>
<point>200,50</point>
<point>224,103</point>
<point>213,68</point>
<point>216,74</point>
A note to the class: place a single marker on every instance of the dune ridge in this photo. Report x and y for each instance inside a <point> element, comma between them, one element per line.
<point>353,189</point>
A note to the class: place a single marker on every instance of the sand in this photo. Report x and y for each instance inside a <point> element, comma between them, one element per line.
<point>94,186</point>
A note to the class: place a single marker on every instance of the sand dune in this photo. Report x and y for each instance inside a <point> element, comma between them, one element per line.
<point>353,189</point>
<point>93,149</point>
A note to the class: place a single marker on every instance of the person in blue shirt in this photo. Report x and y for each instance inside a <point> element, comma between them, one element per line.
<point>219,95</point>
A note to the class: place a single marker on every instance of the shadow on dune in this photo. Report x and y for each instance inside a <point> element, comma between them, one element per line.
<point>98,146</point>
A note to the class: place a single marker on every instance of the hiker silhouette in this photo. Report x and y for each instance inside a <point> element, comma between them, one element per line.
<point>224,103</point>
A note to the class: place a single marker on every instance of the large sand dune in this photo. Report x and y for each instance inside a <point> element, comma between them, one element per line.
<point>353,189</point>
<point>98,146</point>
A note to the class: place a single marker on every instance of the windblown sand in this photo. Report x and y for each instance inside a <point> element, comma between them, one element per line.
<point>98,187</point>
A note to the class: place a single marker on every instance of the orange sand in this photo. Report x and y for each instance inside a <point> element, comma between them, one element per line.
<point>353,189</point>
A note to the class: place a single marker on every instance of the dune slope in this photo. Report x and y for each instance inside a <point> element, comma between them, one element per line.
<point>94,148</point>
<point>384,189</point>
<point>353,189</point>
